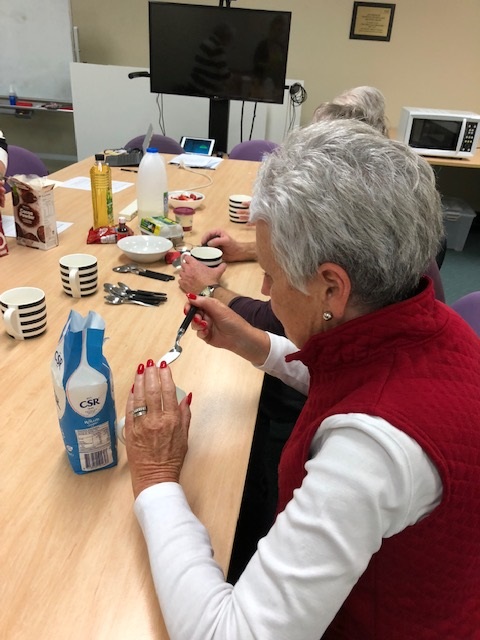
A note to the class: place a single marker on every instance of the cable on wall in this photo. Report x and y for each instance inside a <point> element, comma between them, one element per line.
<point>297,96</point>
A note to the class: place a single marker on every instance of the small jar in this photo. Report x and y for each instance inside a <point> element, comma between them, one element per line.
<point>122,229</point>
<point>184,217</point>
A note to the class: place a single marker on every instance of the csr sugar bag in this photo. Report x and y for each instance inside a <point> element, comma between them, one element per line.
<point>83,387</point>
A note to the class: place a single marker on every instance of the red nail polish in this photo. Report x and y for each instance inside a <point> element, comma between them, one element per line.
<point>189,399</point>
<point>163,364</point>
<point>140,368</point>
<point>191,296</point>
<point>150,362</point>
<point>203,324</point>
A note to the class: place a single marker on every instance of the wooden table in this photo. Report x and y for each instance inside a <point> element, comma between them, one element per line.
<point>459,163</point>
<point>73,563</point>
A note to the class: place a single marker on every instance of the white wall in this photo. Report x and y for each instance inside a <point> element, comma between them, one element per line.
<point>109,109</point>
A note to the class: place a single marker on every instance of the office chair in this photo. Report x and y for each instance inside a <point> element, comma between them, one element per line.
<point>468,306</point>
<point>433,271</point>
<point>252,150</point>
<point>440,257</point>
<point>23,161</point>
<point>164,144</point>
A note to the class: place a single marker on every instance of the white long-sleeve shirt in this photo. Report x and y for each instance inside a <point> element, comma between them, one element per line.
<point>366,480</point>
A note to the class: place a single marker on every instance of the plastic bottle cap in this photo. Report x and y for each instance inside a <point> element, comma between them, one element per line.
<point>152,150</point>
<point>99,157</point>
<point>122,219</point>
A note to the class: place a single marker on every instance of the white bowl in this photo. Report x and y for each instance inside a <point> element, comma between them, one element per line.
<point>189,202</point>
<point>145,248</point>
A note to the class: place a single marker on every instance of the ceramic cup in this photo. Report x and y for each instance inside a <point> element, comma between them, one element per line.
<point>79,274</point>
<point>184,217</point>
<point>120,426</point>
<point>238,208</point>
<point>209,256</point>
<point>24,312</point>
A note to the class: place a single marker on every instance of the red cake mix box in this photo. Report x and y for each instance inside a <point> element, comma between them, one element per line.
<point>34,212</point>
<point>3,240</point>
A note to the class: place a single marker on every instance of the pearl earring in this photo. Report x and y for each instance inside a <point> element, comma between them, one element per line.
<point>327,315</point>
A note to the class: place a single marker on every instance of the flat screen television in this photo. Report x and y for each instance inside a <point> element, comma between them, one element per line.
<point>218,53</point>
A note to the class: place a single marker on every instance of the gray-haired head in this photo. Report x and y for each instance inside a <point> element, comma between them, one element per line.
<point>339,191</point>
<point>362,103</point>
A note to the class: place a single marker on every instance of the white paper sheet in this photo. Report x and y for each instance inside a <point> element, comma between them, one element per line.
<point>9,226</point>
<point>84,184</point>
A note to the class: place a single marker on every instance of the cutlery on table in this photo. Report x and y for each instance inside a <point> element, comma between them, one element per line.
<point>132,294</point>
<point>113,299</point>
<point>122,285</point>
<point>140,271</point>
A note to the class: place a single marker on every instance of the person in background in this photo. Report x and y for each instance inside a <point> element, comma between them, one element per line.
<point>379,484</point>
<point>362,103</point>
<point>211,73</point>
<point>269,60</point>
<point>3,166</point>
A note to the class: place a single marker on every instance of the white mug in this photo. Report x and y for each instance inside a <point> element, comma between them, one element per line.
<point>239,208</point>
<point>24,312</point>
<point>209,256</point>
<point>120,426</point>
<point>79,274</point>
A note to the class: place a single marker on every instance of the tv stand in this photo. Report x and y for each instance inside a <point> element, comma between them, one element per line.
<point>218,119</point>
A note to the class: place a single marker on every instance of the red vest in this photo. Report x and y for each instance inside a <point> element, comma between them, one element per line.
<point>417,365</point>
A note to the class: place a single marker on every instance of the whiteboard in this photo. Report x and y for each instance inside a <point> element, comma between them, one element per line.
<point>36,49</point>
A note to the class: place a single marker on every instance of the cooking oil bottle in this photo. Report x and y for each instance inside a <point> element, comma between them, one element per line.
<point>101,180</point>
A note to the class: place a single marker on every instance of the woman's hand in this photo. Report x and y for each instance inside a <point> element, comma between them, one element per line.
<point>221,327</point>
<point>233,251</point>
<point>156,441</point>
<point>195,276</point>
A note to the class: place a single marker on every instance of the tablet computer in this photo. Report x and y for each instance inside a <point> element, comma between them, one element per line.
<point>201,146</point>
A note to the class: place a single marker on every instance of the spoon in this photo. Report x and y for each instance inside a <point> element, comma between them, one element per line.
<point>113,299</point>
<point>176,350</point>
<point>147,296</point>
<point>145,292</point>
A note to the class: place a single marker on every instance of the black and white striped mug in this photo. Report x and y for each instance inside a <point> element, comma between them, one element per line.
<point>79,274</point>
<point>24,312</point>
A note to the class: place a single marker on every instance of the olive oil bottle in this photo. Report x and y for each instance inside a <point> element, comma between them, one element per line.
<point>101,182</point>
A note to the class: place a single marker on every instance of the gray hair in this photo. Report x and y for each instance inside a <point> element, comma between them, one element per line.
<point>362,103</point>
<point>339,191</point>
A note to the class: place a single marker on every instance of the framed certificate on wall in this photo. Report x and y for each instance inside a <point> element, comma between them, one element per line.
<point>372,21</point>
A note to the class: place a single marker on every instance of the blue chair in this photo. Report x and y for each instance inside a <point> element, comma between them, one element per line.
<point>23,161</point>
<point>252,150</point>
<point>468,306</point>
<point>164,144</point>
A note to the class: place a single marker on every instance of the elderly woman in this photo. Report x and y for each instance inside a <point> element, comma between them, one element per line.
<point>379,484</point>
<point>363,103</point>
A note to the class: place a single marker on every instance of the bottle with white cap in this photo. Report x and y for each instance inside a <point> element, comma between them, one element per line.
<point>12,95</point>
<point>152,189</point>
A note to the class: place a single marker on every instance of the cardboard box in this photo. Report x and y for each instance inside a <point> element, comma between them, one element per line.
<point>161,226</point>
<point>3,240</point>
<point>34,212</point>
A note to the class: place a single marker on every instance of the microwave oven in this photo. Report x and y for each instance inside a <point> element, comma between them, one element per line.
<point>440,132</point>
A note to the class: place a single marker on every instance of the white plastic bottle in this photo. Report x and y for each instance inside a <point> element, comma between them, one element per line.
<point>152,189</point>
